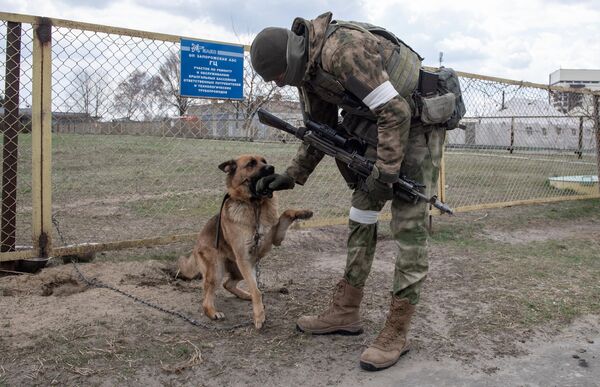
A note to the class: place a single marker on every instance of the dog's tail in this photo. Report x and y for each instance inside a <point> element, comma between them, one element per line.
<point>188,267</point>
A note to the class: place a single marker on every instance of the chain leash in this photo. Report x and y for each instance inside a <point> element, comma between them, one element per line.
<point>57,225</point>
<point>94,283</point>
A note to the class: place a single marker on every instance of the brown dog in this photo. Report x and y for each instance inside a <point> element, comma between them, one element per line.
<point>249,227</point>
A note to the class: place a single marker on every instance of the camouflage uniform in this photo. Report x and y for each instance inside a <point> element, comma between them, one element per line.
<point>355,59</point>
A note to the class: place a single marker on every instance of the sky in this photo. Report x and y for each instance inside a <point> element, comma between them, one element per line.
<point>521,40</point>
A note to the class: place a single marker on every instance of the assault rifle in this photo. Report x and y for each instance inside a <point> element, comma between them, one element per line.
<point>330,142</point>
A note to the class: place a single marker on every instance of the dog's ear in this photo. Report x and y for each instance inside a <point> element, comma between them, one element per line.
<point>228,166</point>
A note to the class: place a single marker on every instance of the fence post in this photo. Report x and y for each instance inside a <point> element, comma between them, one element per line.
<point>597,130</point>
<point>41,137</point>
<point>10,127</point>
<point>441,188</point>
<point>579,151</point>
<point>512,134</point>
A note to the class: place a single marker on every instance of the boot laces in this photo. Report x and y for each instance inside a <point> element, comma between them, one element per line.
<point>389,332</point>
<point>392,329</point>
<point>331,309</point>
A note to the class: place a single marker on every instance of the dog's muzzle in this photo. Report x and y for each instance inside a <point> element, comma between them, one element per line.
<point>266,170</point>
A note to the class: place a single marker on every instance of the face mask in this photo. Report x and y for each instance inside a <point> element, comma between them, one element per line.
<point>296,60</point>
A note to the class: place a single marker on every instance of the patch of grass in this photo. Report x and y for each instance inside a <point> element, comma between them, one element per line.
<point>166,253</point>
<point>530,283</point>
<point>181,351</point>
<point>537,311</point>
<point>189,205</point>
<point>459,233</point>
<point>489,176</point>
<point>165,256</point>
<point>548,281</point>
<point>105,353</point>
<point>582,209</point>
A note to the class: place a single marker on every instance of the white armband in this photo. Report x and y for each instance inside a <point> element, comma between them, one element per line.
<point>363,216</point>
<point>382,94</point>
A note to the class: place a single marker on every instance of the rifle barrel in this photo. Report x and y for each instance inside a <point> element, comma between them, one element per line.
<point>269,119</point>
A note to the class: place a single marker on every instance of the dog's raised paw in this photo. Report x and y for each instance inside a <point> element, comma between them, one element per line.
<point>304,214</point>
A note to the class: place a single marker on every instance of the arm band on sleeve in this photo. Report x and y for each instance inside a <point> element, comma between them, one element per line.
<point>382,94</point>
<point>363,216</point>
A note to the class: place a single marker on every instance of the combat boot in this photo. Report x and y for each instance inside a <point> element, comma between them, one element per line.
<point>391,342</point>
<point>341,317</point>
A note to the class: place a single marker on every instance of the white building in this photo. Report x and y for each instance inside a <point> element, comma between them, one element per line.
<point>574,78</point>
<point>532,124</point>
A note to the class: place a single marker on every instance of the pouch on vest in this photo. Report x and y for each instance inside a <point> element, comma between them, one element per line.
<point>438,109</point>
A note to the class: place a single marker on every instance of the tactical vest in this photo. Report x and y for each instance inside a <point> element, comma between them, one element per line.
<point>402,67</point>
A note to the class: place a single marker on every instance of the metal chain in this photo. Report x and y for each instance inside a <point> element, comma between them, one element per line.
<point>98,284</point>
<point>255,246</point>
<point>56,224</point>
<point>94,283</point>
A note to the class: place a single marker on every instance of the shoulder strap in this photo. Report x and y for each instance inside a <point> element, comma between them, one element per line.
<point>368,28</point>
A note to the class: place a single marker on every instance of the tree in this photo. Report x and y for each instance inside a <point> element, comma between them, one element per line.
<point>170,74</point>
<point>154,102</point>
<point>257,94</point>
<point>89,94</point>
<point>135,96</point>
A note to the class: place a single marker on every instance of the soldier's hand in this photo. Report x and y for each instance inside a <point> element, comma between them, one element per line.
<point>274,182</point>
<point>380,185</point>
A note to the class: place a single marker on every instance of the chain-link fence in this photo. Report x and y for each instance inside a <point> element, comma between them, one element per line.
<point>133,163</point>
<point>521,142</point>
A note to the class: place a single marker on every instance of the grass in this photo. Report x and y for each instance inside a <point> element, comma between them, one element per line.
<point>118,180</point>
<point>532,283</point>
<point>473,177</point>
<point>166,256</point>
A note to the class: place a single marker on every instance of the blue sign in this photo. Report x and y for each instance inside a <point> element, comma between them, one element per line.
<point>211,70</point>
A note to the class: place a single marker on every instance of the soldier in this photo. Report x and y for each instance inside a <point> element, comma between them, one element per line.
<point>373,76</point>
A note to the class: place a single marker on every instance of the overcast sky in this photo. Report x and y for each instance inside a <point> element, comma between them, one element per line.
<point>523,40</point>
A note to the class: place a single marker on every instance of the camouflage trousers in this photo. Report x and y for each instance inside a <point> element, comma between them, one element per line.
<point>408,224</point>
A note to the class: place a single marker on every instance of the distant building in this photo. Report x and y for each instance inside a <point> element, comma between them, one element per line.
<point>58,119</point>
<point>229,119</point>
<point>524,123</point>
<point>574,78</point>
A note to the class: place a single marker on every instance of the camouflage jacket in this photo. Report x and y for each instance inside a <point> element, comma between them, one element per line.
<point>355,60</point>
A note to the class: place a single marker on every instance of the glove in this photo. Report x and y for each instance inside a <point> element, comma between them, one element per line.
<point>274,182</point>
<point>379,185</point>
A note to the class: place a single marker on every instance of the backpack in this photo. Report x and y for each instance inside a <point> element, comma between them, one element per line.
<point>448,83</point>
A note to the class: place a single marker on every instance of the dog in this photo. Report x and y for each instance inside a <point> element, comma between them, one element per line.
<point>234,241</point>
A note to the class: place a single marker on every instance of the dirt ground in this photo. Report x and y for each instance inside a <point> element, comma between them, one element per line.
<point>493,312</point>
